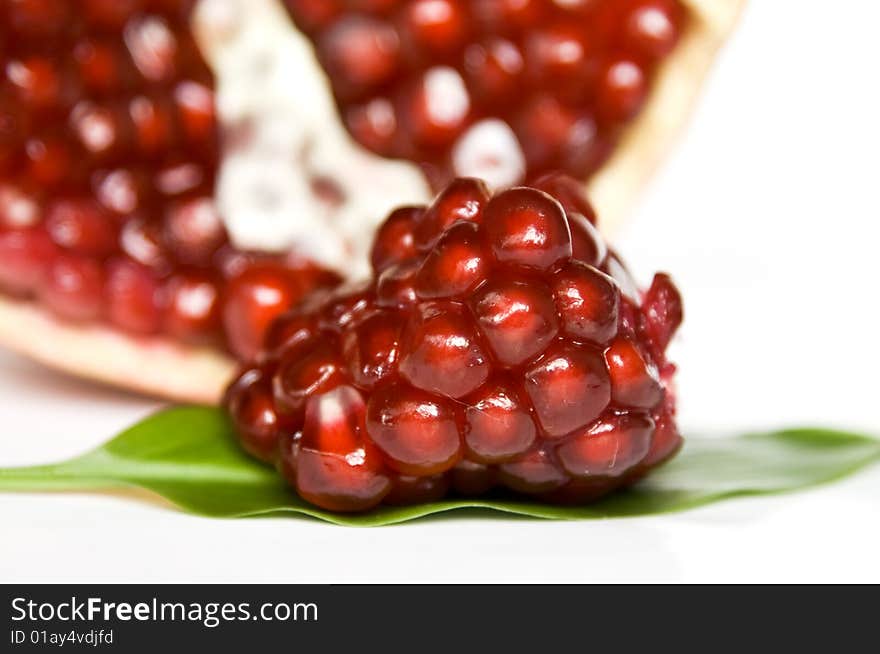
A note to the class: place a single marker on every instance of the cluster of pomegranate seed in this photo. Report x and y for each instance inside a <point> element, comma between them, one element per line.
<point>108,153</point>
<point>447,82</point>
<point>499,343</point>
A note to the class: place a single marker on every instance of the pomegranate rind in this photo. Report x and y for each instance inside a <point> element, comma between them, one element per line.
<point>153,366</point>
<point>649,138</point>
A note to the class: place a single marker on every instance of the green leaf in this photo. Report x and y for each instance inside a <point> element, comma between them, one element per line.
<point>188,455</point>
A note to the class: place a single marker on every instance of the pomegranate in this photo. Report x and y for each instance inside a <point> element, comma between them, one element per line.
<point>112,245</point>
<point>482,353</point>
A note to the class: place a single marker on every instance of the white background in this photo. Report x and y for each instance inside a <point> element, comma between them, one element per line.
<point>768,217</point>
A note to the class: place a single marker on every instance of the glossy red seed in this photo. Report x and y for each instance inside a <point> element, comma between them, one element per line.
<point>192,311</point>
<point>193,230</point>
<point>394,241</point>
<point>74,288</point>
<point>80,225</point>
<point>48,160</point>
<point>408,489</point>
<point>472,479</point>
<point>395,287</point>
<point>635,382</point>
<point>372,347</point>
<point>19,208</point>
<point>287,332</point>
<point>509,15</point>
<point>344,306</point>
<point>455,266</point>
<point>436,108</point>
<point>528,228</point>
<point>432,29</point>
<point>493,70</point>
<point>152,123</point>
<point>195,111</point>
<point>652,28</point>
<point>25,255</point>
<point>132,298</point>
<point>609,448</point>
<point>35,81</point>
<point>587,244</point>
<point>253,299</point>
<point>462,200</point>
<point>337,467</point>
<point>99,65</point>
<point>440,352</point>
<point>622,90</point>
<point>554,135</point>
<point>416,431</point>
<point>559,57</point>
<point>141,240</point>
<point>570,194</point>
<point>306,371</point>
<point>312,15</point>
<point>252,410</point>
<point>498,426</point>
<point>517,317</point>
<point>663,310</point>
<point>667,439</point>
<point>359,53</point>
<point>588,302</point>
<point>569,387</point>
<point>536,471</point>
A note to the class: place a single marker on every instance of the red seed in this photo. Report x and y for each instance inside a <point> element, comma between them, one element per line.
<point>416,431</point>
<point>609,448</point>
<point>528,228</point>
<point>440,352</point>
<point>588,301</point>
<point>517,317</point>
<point>498,426</point>
<point>569,388</point>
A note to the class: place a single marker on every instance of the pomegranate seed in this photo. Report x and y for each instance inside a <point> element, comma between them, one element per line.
<point>99,65</point>
<point>432,29</point>
<point>359,53</point>
<point>463,200</point>
<point>396,285</point>
<point>634,381</point>
<point>192,314</point>
<point>313,15</point>
<point>517,317</point>
<point>534,472</point>
<point>35,81</point>
<point>651,29</point>
<point>74,288</point>
<point>290,330</point>
<point>195,110</point>
<point>416,431</point>
<point>132,297</point>
<point>249,402</point>
<point>437,108</point>
<point>407,489</point>
<point>48,161</point>
<point>472,479</point>
<point>528,228</point>
<point>455,266</point>
<point>440,352</point>
<point>153,128</point>
<point>194,231</point>
<point>394,241</point>
<point>498,426</point>
<point>609,448</point>
<point>142,241</point>
<point>570,195</point>
<point>493,70</point>
<point>588,301</point>
<point>81,226</point>
<point>253,299</point>
<point>569,387</point>
<point>622,90</point>
<point>372,348</point>
<point>663,311</point>
<point>309,370</point>
<point>25,255</point>
<point>337,467</point>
